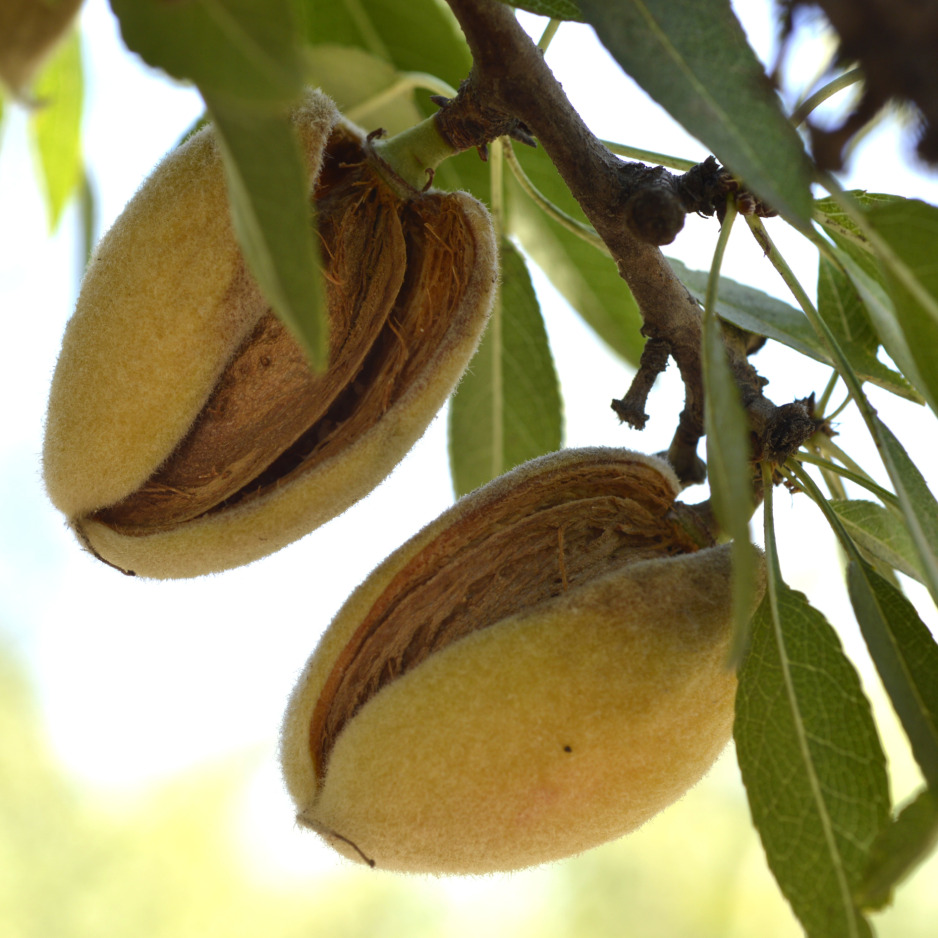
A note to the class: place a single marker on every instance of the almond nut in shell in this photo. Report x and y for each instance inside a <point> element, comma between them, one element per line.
<point>538,671</point>
<point>185,432</point>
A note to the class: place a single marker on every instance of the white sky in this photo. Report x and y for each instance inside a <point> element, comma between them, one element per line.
<point>139,680</point>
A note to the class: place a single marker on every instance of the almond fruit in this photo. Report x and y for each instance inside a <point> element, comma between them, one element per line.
<point>185,432</point>
<point>538,671</point>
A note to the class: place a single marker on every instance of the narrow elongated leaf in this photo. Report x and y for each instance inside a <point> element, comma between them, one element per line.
<point>692,57</point>
<point>755,311</point>
<point>906,657</point>
<point>556,9</point>
<point>905,842</point>
<point>56,126</point>
<point>232,49</point>
<point>729,472</point>
<point>858,258</point>
<point>246,58</point>
<point>507,407</point>
<point>87,218</point>
<point>811,761</point>
<point>881,533</point>
<point>268,188</point>
<point>910,231</point>
<point>919,507</point>
<point>586,277</point>
<point>882,311</point>
<point>840,306</point>
<point>728,453</point>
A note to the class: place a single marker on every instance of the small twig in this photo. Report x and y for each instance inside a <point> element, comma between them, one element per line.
<point>654,360</point>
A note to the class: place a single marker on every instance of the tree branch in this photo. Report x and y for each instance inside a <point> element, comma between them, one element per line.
<point>633,208</point>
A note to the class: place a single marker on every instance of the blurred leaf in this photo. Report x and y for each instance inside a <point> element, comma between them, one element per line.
<point>586,277</point>
<point>555,9</point>
<point>811,761</point>
<point>905,842</point>
<point>234,50</point>
<point>56,125</point>
<point>919,507</point>
<point>692,57</point>
<point>840,306</point>
<point>507,408</point>
<point>168,861</point>
<point>353,78</point>
<point>906,658</point>
<point>87,218</point>
<point>909,229</point>
<point>416,36</point>
<point>268,189</point>
<point>879,532</point>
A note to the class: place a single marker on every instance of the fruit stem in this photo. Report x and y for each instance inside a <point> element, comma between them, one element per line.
<point>412,156</point>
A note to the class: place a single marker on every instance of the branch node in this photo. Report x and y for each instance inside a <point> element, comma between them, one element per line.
<point>468,121</point>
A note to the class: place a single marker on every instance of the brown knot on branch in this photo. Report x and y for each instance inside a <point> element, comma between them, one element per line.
<point>468,122</point>
<point>705,187</point>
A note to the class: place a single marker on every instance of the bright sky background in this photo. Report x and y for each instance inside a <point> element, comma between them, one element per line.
<point>139,680</point>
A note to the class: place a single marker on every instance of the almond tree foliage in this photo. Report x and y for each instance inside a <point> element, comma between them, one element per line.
<point>594,215</point>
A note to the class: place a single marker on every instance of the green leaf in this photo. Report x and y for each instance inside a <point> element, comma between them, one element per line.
<point>507,407</point>
<point>906,658</point>
<point>879,532</point>
<point>841,307</point>
<point>758,312</point>
<point>729,472</point>
<point>811,761</point>
<point>844,231</point>
<point>692,57</point>
<point>881,310</point>
<point>909,229</point>
<point>56,126</point>
<point>905,842</point>
<point>586,277</point>
<point>354,79</point>
<point>919,507</point>
<point>755,311</point>
<point>899,316</point>
<point>555,9</point>
<point>87,218</point>
<point>246,57</point>
<point>268,190</point>
<point>242,50</point>
<point>416,36</point>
